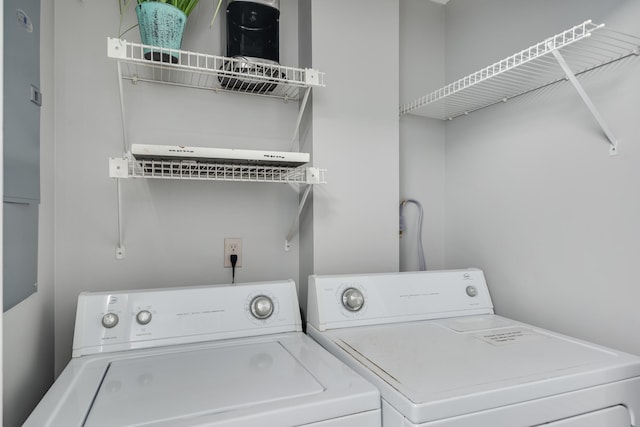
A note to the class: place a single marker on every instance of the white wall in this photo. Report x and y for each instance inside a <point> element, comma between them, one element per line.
<point>355,136</point>
<point>28,326</point>
<point>173,231</point>
<point>532,196</point>
<point>421,140</point>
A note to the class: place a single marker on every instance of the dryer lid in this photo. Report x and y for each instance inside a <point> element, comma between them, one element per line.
<point>450,367</point>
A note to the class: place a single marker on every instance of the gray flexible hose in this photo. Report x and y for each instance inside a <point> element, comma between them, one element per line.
<point>421,262</point>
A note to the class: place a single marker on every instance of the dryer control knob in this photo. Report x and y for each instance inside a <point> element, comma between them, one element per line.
<point>143,317</point>
<point>109,320</point>
<point>261,307</point>
<point>352,299</point>
<point>472,291</point>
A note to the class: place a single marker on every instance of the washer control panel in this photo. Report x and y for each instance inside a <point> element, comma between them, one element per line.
<point>148,318</point>
<point>363,299</point>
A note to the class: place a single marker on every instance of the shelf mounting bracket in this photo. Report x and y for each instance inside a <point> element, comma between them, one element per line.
<point>303,105</point>
<point>613,141</point>
<point>123,117</point>
<point>294,227</point>
<point>120,247</point>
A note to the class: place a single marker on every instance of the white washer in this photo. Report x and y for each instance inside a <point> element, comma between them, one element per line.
<point>202,356</point>
<point>440,357</point>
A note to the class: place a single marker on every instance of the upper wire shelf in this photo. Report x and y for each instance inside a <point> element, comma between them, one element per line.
<point>585,47</point>
<point>192,69</point>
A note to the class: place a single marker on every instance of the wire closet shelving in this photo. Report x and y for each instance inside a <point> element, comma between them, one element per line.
<point>216,73</point>
<point>578,50</point>
<point>141,63</point>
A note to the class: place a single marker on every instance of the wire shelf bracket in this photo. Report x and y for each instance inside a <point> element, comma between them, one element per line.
<point>613,141</point>
<point>578,50</point>
<point>294,226</point>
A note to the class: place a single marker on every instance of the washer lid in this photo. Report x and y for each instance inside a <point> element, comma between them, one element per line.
<point>172,386</point>
<point>436,369</point>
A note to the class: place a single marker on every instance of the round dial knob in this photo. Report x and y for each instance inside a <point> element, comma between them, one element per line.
<point>143,317</point>
<point>109,320</point>
<point>261,307</point>
<point>472,291</point>
<point>352,299</point>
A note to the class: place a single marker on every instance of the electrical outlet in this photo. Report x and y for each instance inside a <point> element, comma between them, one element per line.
<point>232,246</point>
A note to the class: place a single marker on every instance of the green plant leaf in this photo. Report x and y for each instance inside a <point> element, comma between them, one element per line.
<point>215,13</point>
<point>188,6</point>
<point>127,30</point>
<point>124,6</point>
<point>184,5</point>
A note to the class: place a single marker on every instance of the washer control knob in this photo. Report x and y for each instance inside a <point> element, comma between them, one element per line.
<point>143,317</point>
<point>352,299</point>
<point>472,291</point>
<point>261,307</point>
<point>109,320</point>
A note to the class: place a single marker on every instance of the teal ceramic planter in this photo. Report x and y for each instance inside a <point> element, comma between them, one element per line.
<point>161,25</point>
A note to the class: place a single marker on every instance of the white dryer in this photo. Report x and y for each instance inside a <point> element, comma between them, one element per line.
<point>431,343</point>
<point>202,356</point>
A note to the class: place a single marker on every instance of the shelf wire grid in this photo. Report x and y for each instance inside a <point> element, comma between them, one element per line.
<point>197,170</point>
<point>585,47</point>
<point>218,73</point>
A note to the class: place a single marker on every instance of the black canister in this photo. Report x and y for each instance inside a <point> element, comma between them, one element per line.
<point>253,29</point>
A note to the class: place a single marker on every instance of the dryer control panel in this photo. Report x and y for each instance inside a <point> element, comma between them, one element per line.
<point>366,299</point>
<point>115,321</point>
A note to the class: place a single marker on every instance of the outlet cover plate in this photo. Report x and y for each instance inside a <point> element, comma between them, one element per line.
<point>232,245</point>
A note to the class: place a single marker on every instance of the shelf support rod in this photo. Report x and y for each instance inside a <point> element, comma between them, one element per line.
<point>120,248</point>
<point>296,221</point>
<point>613,141</point>
<point>125,139</point>
<point>303,105</point>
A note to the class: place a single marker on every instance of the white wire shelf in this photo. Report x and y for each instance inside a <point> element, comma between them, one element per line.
<point>218,73</point>
<point>125,167</point>
<point>584,47</point>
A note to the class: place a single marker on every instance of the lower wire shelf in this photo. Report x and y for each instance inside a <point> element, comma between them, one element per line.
<point>123,167</point>
<point>129,167</point>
